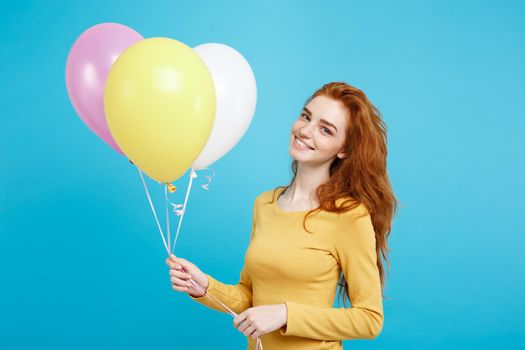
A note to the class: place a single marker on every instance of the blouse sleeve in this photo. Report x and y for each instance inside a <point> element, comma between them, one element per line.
<point>237,297</point>
<point>355,249</point>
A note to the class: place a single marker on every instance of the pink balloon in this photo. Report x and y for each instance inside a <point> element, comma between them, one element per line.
<point>87,67</point>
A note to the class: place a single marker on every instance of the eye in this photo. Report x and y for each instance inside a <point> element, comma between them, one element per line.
<point>305,116</point>
<point>328,131</point>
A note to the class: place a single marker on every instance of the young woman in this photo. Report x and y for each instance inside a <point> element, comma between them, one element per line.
<point>331,222</point>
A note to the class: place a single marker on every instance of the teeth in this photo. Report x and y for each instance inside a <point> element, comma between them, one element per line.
<point>303,144</point>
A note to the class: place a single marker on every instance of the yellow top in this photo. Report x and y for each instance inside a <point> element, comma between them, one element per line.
<point>286,264</point>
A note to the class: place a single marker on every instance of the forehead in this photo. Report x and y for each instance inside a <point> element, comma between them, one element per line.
<point>329,109</point>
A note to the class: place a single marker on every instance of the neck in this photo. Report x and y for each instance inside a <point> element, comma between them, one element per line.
<point>307,179</point>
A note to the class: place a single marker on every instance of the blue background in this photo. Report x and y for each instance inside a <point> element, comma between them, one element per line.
<point>81,260</point>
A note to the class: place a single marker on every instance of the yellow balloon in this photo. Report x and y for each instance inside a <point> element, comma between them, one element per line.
<point>159,103</point>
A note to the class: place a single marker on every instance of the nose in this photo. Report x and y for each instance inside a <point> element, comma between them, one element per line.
<point>306,131</point>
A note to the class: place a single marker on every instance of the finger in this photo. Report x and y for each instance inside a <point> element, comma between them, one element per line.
<point>238,319</point>
<point>249,330</point>
<point>174,265</point>
<point>256,335</point>
<point>173,261</point>
<point>185,263</point>
<point>195,290</point>
<point>179,282</point>
<point>243,326</point>
<point>179,274</point>
<point>179,289</point>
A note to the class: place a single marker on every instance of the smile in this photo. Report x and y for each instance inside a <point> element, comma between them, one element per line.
<point>302,145</point>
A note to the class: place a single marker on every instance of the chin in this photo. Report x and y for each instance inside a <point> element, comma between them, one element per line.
<point>300,157</point>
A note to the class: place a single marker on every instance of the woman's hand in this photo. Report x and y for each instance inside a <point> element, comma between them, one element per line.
<point>181,271</point>
<point>260,320</point>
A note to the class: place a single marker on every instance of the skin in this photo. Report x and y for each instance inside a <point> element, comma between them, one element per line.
<point>313,165</point>
<point>312,170</point>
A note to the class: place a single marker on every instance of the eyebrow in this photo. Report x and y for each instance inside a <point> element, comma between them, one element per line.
<point>322,120</point>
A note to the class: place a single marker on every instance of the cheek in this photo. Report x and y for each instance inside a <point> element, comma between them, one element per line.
<point>328,145</point>
<point>295,128</point>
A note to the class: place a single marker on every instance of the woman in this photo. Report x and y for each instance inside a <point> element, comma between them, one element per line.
<point>332,221</point>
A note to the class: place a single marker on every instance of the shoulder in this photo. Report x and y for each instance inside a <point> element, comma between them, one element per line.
<point>357,209</point>
<point>356,222</point>
<point>350,207</point>
<point>267,196</point>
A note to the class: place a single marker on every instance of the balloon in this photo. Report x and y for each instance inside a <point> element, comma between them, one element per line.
<point>87,66</point>
<point>236,91</point>
<point>160,106</point>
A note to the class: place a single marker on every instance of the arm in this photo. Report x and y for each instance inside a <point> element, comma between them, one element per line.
<point>237,297</point>
<point>355,249</point>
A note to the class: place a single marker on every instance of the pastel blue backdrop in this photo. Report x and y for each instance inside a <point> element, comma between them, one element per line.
<point>81,260</point>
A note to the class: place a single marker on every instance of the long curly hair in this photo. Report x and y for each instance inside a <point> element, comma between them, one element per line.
<point>361,175</point>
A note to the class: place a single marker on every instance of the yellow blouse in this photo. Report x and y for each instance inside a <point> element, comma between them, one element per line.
<point>286,264</point>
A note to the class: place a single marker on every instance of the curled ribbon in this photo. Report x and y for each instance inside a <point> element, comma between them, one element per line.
<point>206,186</point>
<point>180,212</point>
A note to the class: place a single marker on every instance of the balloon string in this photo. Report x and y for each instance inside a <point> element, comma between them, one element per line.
<point>153,209</point>
<point>167,215</point>
<point>168,249</point>
<point>230,311</point>
<point>192,176</point>
<point>204,186</point>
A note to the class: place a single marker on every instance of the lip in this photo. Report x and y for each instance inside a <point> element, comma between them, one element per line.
<point>297,138</point>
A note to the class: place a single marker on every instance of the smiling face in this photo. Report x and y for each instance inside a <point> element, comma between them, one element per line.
<point>318,135</point>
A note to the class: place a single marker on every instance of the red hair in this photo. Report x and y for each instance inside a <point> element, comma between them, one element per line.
<point>362,174</point>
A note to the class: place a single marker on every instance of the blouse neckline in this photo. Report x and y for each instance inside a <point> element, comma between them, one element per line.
<point>284,212</point>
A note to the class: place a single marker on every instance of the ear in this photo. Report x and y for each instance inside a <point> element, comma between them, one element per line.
<point>341,155</point>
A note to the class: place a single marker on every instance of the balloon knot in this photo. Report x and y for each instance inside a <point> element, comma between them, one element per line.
<point>171,188</point>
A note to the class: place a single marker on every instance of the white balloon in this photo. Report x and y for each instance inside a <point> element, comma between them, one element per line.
<point>236,96</point>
